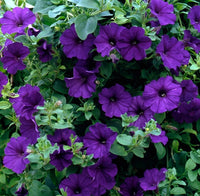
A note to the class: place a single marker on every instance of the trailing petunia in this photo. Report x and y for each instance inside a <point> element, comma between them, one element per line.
<point>194,16</point>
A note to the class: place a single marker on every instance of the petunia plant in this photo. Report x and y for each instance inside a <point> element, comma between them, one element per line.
<point>99,97</point>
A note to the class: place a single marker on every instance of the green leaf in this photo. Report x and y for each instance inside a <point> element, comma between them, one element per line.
<point>139,152</point>
<point>56,11</point>
<point>192,131</point>
<point>192,175</point>
<point>160,117</point>
<point>195,157</point>
<point>118,149</point>
<point>88,115</point>
<point>4,105</point>
<point>2,178</point>
<point>10,3</point>
<point>60,86</point>
<point>178,191</point>
<point>88,4</point>
<point>23,39</point>
<point>124,139</point>
<point>85,25</point>
<point>179,182</point>
<point>160,150</point>
<point>190,164</point>
<point>106,69</point>
<point>43,6</point>
<point>46,33</point>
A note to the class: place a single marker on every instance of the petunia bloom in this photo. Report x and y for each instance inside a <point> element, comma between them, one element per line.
<point>163,11</point>
<point>13,56</point>
<point>17,20</point>
<point>131,186</point>
<point>45,51</point>
<point>3,82</point>
<point>189,90</point>
<point>29,129</point>
<point>162,95</point>
<point>137,108</point>
<point>191,41</point>
<point>133,43</point>
<point>76,185</point>
<point>15,154</point>
<point>74,46</point>
<point>107,39</point>
<point>21,191</point>
<point>61,158</point>
<point>82,84</point>
<point>152,178</point>
<point>194,16</point>
<point>26,104</point>
<point>103,172</point>
<point>115,100</point>
<point>159,138</point>
<point>98,140</point>
<point>62,137</point>
<point>172,52</point>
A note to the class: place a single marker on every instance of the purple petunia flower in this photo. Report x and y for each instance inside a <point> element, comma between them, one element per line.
<point>115,100</point>
<point>194,16</point>
<point>107,39</point>
<point>89,64</point>
<point>33,31</point>
<point>131,186</point>
<point>159,138</point>
<point>152,178</point>
<point>77,185</point>
<point>62,137</point>
<point>29,129</point>
<point>17,20</point>
<point>137,108</point>
<point>26,104</point>
<point>74,46</point>
<point>3,82</point>
<point>172,52</point>
<point>162,95</point>
<point>21,191</point>
<point>61,158</point>
<point>163,11</point>
<point>133,43</point>
<point>15,154</point>
<point>103,172</point>
<point>99,139</point>
<point>189,90</point>
<point>188,112</point>
<point>45,52</point>
<point>82,84</point>
<point>191,41</point>
<point>13,56</point>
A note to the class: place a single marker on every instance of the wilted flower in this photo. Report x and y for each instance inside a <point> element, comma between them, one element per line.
<point>115,100</point>
<point>15,154</point>
<point>194,16</point>
<point>152,178</point>
<point>163,11</point>
<point>21,191</point>
<point>98,140</point>
<point>162,95</point>
<point>107,39</point>
<point>17,20</point>
<point>133,43</point>
<point>74,46</point>
<point>172,52</point>
<point>13,56</point>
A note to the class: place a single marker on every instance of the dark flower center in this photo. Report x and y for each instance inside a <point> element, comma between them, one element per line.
<point>19,23</point>
<point>77,190</point>
<point>140,112</point>
<point>162,93</point>
<point>113,99</point>
<point>112,42</point>
<point>79,41</point>
<point>102,140</point>
<point>134,42</point>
